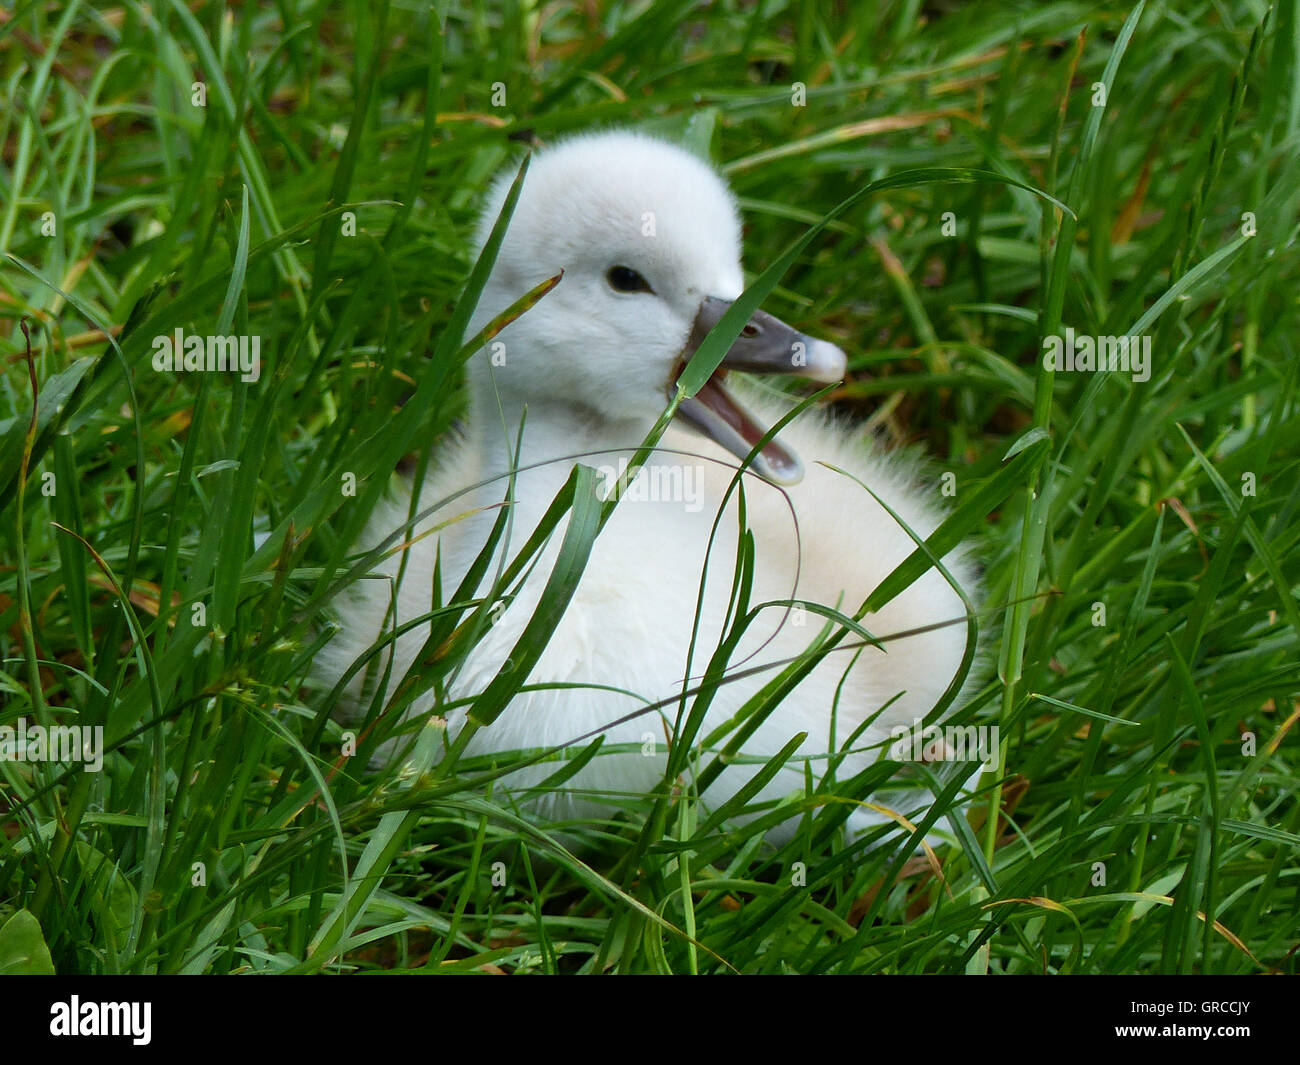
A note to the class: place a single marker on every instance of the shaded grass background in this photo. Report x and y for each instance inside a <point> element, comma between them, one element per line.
<point>1141,832</point>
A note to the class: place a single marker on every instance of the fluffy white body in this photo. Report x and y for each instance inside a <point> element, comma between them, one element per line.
<point>593,365</point>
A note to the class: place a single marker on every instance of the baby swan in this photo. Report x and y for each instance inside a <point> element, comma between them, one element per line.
<point>648,239</point>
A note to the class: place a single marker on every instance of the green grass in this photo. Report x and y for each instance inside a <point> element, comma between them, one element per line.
<point>225,832</point>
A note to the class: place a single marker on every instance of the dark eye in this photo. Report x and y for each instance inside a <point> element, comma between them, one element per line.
<point>625,279</point>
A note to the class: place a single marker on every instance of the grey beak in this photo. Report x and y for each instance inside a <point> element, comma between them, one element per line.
<point>766,345</point>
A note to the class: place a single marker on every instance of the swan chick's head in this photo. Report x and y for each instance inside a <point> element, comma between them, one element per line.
<point>647,237</point>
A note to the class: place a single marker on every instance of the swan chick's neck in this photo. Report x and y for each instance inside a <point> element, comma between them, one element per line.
<point>555,431</point>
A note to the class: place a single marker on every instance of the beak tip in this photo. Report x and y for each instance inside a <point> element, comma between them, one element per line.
<point>827,362</point>
<point>786,478</point>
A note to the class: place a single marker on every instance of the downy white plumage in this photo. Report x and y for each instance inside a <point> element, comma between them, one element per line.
<point>648,238</point>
